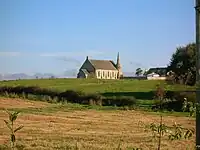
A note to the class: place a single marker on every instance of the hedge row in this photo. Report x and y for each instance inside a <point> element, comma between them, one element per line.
<point>67,96</point>
<point>174,100</point>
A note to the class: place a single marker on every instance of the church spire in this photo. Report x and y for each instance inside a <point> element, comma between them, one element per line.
<point>118,66</point>
<point>118,62</point>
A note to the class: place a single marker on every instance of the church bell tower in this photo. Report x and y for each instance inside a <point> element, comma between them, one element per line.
<point>119,68</point>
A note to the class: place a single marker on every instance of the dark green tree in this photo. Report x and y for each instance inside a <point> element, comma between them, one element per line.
<point>145,72</point>
<point>183,64</point>
<point>138,71</point>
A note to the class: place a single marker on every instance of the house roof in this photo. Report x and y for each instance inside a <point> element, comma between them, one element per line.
<point>158,70</point>
<point>103,64</point>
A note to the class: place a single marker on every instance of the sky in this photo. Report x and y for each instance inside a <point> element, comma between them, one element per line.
<point>49,36</point>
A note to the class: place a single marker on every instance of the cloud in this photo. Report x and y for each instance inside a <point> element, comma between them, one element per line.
<point>137,64</point>
<point>66,56</point>
<point>71,54</point>
<point>70,60</point>
<point>9,54</point>
<point>56,54</point>
<point>95,52</point>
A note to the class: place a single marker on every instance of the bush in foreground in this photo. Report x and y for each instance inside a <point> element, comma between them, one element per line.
<point>174,100</point>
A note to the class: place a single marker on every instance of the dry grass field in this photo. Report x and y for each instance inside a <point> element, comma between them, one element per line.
<point>85,129</point>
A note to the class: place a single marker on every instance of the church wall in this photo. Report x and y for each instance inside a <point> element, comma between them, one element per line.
<point>106,74</point>
<point>81,75</point>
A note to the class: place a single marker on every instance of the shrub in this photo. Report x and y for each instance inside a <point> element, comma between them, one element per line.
<point>99,102</point>
<point>93,99</point>
<point>27,90</point>
<point>72,96</point>
<point>174,100</point>
<point>171,105</point>
<point>180,95</point>
<point>23,95</point>
<point>32,97</point>
<point>54,100</point>
<point>37,93</point>
<point>91,102</point>
<point>6,94</point>
<point>13,95</point>
<point>119,101</point>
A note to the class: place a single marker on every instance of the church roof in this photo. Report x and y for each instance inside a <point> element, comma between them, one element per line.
<point>103,64</point>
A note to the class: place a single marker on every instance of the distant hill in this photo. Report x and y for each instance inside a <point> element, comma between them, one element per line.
<point>70,73</point>
<point>128,74</point>
<point>45,75</point>
<point>14,76</point>
<point>67,74</point>
<point>17,76</point>
<point>1,77</point>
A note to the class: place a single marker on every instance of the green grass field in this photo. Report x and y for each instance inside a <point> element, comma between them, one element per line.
<point>97,86</point>
<point>140,89</point>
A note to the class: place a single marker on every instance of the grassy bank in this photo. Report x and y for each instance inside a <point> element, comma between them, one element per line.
<point>98,86</point>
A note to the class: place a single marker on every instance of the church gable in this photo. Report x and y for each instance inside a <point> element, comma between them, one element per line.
<point>88,66</point>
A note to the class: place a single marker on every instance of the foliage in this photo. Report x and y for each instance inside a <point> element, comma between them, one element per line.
<point>67,96</point>
<point>160,71</point>
<point>189,107</point>
<point>183,65</point>
<point>174,100</point>
<point>10,124</point>
<point>138,71</point>
<point>160,92</point>
<point>108,91</point>
<point>156,129</point>
<point>175,132</point>
<point>119,101</point>
<point>180,132</point>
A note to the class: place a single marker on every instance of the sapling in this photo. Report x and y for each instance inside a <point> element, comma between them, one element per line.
<point>180,132</point>
<point>160,94</point>
<point>189,105</point>
<point>10,124</point>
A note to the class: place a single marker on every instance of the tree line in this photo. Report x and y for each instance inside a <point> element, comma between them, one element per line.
<point>182,66</point>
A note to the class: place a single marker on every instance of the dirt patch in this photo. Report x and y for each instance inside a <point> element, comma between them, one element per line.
<point>20,103</point>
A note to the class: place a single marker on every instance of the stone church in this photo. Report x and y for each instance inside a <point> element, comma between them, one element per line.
<point>100,69</point>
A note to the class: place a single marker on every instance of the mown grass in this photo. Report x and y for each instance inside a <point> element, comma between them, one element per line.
<point>63,126</point>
